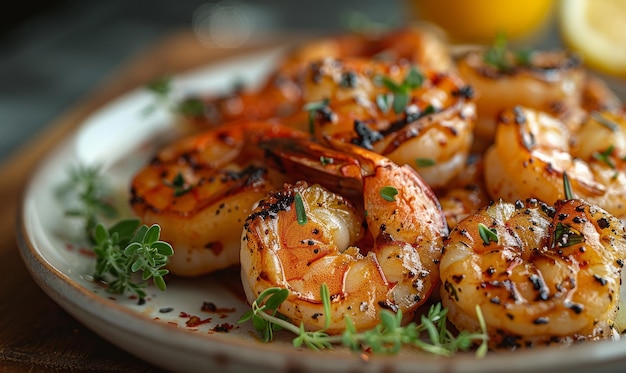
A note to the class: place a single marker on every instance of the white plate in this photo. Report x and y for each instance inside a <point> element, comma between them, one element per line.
<point>120,138</point>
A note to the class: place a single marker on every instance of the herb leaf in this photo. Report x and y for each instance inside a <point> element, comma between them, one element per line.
<point>300,210</point>
<point>87,195</point>
<point>488,235</point>
<point>425,162</point>
<point>567,187</point>
<point>605,156</point>
<point>388,193</point>
<point>388,337</point>
<point>565,236</point>
<point>126,247</point>
<point>401,93</point>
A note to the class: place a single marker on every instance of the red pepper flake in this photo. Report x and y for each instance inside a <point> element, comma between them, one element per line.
<point>86,252</point>
<point>216,246</point>
<point>211,307</point>
<point>194,321</point>
<point>222,328</point>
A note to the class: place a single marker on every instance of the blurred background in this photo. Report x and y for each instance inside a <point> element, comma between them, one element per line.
<point>53,52</point>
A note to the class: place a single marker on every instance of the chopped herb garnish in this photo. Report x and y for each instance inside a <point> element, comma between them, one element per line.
<point>300,211</point>
<point>567,187</point>
<point>487,234</point>
<point>388,337</point>
<point>388,193</point>
<point>425,162</point>
<point>326,160</point>
<point>191,107</point>
<point>565,236</point>
<point>496,55</point>
<point>312,108</point>
<point>402,92</point>
<point>383,101</point>
<point>161,86</point>
<point>605,156</point>
<point>524,58</point>
<point>179,185</point>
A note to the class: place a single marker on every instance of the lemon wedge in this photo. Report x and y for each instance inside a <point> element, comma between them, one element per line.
<point>596,29</point>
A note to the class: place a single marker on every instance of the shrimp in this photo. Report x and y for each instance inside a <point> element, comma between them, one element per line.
<point>393,264</point>
<point>549,274</point>
<point>601,143</point>
<point>466,193</point>
<point>280,96</point>
<point>551,82</point>
<point>418,117</point>
<point>532,151</point>
<point>201,188</point>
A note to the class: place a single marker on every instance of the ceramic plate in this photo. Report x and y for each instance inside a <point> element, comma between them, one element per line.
<point>193,325</point>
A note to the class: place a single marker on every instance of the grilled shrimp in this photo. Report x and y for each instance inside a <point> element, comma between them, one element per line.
<point>201,189</point>
<point>532,150</point>
<point>551,82</point>
<point>281,95</point>
<point>418,117</point>
<point>466,193</point>
<point>393,263</point>
<point>601,143</point>
<point>540,274</point>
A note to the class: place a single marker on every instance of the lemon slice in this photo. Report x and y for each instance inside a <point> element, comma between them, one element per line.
<point>596,29</point>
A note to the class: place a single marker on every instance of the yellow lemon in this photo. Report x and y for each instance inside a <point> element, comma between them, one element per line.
<point>481,20</point>
<point>597,30</point>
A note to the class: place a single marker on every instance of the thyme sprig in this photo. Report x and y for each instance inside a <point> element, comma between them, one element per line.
<point>85,194</point>
<point>128,247</point>
<point>125,248</point>
<point>430,334</point>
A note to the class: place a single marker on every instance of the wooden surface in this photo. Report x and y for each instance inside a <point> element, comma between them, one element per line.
<point>36,334</point>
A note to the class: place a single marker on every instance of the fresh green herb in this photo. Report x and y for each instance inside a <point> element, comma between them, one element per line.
<point>524,58</point>
<point>87,194</point>
<point>127,248</point>
<point>326,160</point>
<point>611,125</point>
<point>383,100</point>
<point>605,156</point>
<point>496,55</point>
<point>425,162</point>
<point>567,187</point>
<point>388,337</point>
<point>487,234</point>
<point>191,107</point>
<point>501,58</point>
<point>179,185</point>
<point>161,86</point>
<point>312,108</point>
<point>401,91</point>
<point>565,236</point>
<point>388,193</point>
<point>264,313</point>
<point>123,249</point>
<point>300,211</point>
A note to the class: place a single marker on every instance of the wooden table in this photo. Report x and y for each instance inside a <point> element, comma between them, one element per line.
<point>35,333</point>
